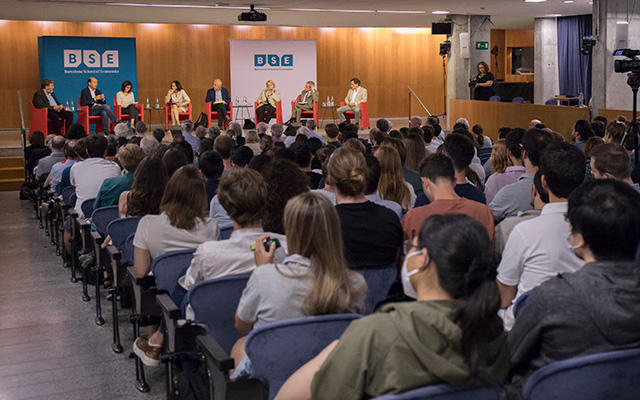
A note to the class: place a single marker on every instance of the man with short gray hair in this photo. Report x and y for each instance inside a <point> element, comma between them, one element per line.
<point>261,129</point>
<point>276,132</point>
<point>219,99</point>
<point>415,122</point>
<point>312,125</point>
<point>305,101</point>
<point>149,145</point>
<point>187,131</point>
<point>289,140</point>
<point>42,169</point>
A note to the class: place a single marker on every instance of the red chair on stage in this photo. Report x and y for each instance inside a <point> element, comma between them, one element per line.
<point>85,119</point>
<point>40,121</point>
<point>364,114</point>
<point>278,113</point>
<point>213,115</point>
<point>181,115</point>
<point>307,114</point>
<point>117,111</point>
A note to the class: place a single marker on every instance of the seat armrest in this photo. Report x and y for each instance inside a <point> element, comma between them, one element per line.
<point>145,283</point>
<point>114,253</point>
<point>97,237</point>
<point>169,308</point>
<point>214,353</point>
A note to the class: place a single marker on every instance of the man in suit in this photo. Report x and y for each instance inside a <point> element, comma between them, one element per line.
<point>45,98</point>
<point>305,102</point>
<point>355,96</point>
<point>92,97</point>
<point>219,99</point>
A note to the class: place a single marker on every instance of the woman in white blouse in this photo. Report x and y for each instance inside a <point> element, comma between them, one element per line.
<point>267,102</point>
<point>127,101</point>
<point>178,101</point>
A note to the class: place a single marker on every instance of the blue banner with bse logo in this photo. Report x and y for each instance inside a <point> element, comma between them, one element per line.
<point>70,61</point>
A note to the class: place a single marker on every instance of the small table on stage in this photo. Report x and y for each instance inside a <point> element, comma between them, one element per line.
<point>565,99</point>
<point>325,108</point>
<point>160,115</point>
<point>242,112</point>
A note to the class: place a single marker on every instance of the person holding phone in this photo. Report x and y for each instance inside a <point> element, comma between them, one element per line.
<point>126,99</point>
<point>305,101</point>
<point>178,100</point>
<point>267,102</point>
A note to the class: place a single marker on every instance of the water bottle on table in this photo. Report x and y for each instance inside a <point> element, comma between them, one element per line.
<point>148,106</point>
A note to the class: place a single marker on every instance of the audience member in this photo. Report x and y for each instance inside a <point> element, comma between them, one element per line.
<point>536,250</point>
<point>186,127</point>
<point>200,132</point>
<point>149,145</point>
<point>222,145</point>
<point>392,186</point>
<point>506,161</point>
<point>259,162</point>
<point>130,157</point>
<point>460,150</point>
<point>55,177</point>
<point>611,161</point>
<point>431,146</point>
<point>313,280</point>
<point>36,150</point>
<point>276,131</point>
<point>211,167</point>
<point>181,226</point>
<point>371,233</point>
<point>261,129</point>
<point>312,126</point>
<point>76,132</point>
<point>302,131</point>
<point>409,175</point>
<point>333,135</point>
<point>302,152</point>
<point>595,309</point>
<point>599,128</point>
<point>284,181</point>
<point>241,156</point>
<point>503,229</point>
<point>452,335</point>
<point>43,166</point>
<point>158,134</point>
<point>416,149</point>
<point>504,131</point>
<point>480,140</point>
<point>206,144</point>
<point>141,128</point>
<point>356,145</point>
<point>253,142</point>
<point>582,131</point>
<point>213,132</point>
<point>384,125</point>
<point>173,160</point>
<point>186,148</point>
<point>516,197</point>
<point>237,128</point>
<point>371,193</point>
<point>415,122</point>
<point>121,130</point>
<point>147,189</point>
<point>81,154</point>
<point>438,180</point>
<point>615,132</point>
<point>266,144</point>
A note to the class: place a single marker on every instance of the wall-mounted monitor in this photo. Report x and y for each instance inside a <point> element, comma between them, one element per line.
<point>441,28</point>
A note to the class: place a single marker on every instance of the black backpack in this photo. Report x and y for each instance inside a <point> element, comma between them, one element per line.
<point>202,120</point>
<point>193,385</point>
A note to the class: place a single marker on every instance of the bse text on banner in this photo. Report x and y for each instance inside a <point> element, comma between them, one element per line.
<point>70,61</point>
<point>289,63</point>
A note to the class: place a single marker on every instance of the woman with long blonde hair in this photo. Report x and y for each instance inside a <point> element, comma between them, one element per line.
<point>313,280</point>
<point>392,185</point>
<point>500,161</point>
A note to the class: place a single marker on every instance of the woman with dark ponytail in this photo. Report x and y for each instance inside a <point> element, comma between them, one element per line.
<point>451,335</point>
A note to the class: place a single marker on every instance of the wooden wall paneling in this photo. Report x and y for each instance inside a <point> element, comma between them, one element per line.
<point>494,115</point>
<point>519,37</point>
<point>612,114</point>
<point>497,39</point>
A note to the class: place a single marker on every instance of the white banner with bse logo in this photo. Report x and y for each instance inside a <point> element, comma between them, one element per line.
<point>289,63</point>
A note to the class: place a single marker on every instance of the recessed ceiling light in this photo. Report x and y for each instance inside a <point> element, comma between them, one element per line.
<point>553,15</point>
<point>534,1</point>
<point>439,12</point>
<point>568,1</point>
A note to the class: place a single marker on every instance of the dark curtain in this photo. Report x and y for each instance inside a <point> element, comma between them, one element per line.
<point>574,68</point>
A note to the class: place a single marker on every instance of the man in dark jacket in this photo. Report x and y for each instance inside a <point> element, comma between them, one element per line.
<point>45,98</point>
<point>593,310</point>
<point>219,99</point>
<point>92,97</point>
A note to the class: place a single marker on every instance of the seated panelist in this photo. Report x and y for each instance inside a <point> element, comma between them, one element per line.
<point>127,100</point>
<point>92,97</point>
<point>305,102</point>
<point>355,96</point>
<point>267,102</point>
<point>179,101</point>
<point>219,99</point>
<point>45,98</point>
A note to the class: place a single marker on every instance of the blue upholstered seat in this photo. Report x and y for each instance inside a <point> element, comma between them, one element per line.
<point>379,281</point>
<point>447,392</point>
<point>102,216</point>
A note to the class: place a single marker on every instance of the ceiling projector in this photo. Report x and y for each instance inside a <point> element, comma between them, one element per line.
<point>252,16</point>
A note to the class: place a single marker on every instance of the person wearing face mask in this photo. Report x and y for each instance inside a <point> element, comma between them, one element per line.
<point>536,249</point>
<point>593,310</point>
<point>450,335</point>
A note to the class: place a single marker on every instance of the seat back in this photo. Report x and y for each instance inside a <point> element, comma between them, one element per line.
<point>87,207</point>
<point>379,281</point>
<point>226,233</point>
<point>127,249</point>
<point>214,303</point>
<point>66,195</point>
<point>85,119</point>
<point>551,102</point>
<point>517,306</point>
<point>169,267</point>
<point>494,98</point>
<point>277,350</point>
<point>484,154</point>
<point>447,392</point>
<point>119,229</point>
<point>277,115</point>
<point>181,115</point>
<point>612,375</point>
<point>518,100</point>
<point>364,114</point>
<point>102,216</point>
<point>39,120</point>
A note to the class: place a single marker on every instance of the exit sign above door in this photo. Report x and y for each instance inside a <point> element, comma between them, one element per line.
<point>482,45</point>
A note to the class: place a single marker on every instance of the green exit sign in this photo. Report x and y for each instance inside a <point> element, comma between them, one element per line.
<point>482,45</point>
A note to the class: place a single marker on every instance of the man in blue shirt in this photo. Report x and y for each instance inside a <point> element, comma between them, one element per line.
<point>219,99</point>
<point>45,98</point>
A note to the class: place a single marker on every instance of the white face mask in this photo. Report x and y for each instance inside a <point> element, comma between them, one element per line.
<point>405,275</point>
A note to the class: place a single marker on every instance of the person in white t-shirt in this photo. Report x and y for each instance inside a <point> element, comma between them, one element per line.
<point>87,177</point>
<point>537,249</point>
<point>180,226</point>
